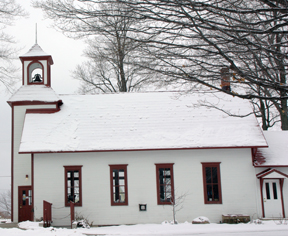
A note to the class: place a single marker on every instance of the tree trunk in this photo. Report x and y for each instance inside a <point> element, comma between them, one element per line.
<point>284,115</point>
<point>263,115</point>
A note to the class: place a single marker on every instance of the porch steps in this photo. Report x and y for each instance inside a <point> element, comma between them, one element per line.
<point>235,218</point>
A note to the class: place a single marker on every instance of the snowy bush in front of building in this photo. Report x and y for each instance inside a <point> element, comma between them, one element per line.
<point>201,220</point>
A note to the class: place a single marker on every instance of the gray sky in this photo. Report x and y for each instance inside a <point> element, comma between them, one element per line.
<point>66,54</point>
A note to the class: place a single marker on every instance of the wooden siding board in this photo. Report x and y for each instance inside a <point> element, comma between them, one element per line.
<point>142,184</point>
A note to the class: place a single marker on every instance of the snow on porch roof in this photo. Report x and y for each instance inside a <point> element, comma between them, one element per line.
<point>30,93</point>
<point>277,153</point>
<point>140,121</point>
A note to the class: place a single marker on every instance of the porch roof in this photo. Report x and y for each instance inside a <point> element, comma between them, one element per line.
<point>33,93</point>
<point>277,152</point>
<point>272,174</point>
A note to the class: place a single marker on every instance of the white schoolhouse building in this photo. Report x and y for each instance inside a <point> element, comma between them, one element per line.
<point>124,158</point>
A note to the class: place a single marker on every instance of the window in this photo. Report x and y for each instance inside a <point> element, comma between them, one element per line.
<point>274,188</point>
<point>267,191</point>
<point>275,191</point>
<point>118,184</point>
<point>212,183</point>
<point>73,190</point>
<point>165,183</point>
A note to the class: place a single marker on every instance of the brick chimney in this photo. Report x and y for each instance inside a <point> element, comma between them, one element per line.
<point>225,79</point>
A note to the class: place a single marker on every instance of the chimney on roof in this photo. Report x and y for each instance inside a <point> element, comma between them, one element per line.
<point>225,79</point>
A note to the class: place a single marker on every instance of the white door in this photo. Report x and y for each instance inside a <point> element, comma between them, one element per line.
<point>272,198</point>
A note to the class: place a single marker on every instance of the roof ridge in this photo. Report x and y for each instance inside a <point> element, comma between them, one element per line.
<point>35,50</point>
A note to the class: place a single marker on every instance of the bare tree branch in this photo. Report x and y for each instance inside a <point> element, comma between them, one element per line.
<point>9,12</point>
<point>111,52</point>
<point>5,203</point>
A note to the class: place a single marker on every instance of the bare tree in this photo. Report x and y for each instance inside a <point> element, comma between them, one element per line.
<point>192,40</point>
<point>111,66</point>
<point>5,203</point>
<point>177,202</point>
<point>9,12</point>
<point>189,42</point>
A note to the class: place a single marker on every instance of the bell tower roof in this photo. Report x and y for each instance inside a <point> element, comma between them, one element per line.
<point>35,50</point>
<point>36,66</point>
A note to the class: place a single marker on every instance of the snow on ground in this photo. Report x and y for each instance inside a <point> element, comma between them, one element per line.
<point>4,221</point>
<point>267,228</point>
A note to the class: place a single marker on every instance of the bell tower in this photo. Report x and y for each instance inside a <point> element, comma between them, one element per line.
<point>34,96</point>
<point>36,67</point>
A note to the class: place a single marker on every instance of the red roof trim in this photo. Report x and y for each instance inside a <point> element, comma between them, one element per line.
<point>269,171</point>
<point>271,166</point>
<point>29,58</point>
<point>23,103</point>
<point>263,171</point>
<point>134,150</point>
<point>42,110</point>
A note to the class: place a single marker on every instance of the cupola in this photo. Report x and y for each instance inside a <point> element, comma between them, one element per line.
<point>36,67</point>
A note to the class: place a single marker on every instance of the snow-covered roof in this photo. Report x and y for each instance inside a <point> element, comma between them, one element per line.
<point>35,51</point>
<point>40,93</point>
<point>140,121</point>
<point>277,153</point>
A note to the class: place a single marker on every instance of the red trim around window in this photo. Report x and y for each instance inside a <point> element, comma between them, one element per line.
<point>116,185</point>
<point>73,168</point>
<point>162,186</point>
<point>214,185</point>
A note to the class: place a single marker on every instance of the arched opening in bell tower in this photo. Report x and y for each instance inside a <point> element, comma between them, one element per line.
<point>35,73</point>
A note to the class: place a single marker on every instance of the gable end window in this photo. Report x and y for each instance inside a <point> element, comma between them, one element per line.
<point>118,185</point>
<point>73,186</point>
<point>165,184</point>
<point>212,183</point>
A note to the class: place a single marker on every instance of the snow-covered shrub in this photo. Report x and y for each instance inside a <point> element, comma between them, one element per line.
<point>257,221</point>
<point>82,222</point>
<point>201,220</point>
<point>172,222</point>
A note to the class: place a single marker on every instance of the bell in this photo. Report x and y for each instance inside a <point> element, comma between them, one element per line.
<point>37,78</point>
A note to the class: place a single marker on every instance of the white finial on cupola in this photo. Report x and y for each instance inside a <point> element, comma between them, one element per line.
<point>36,34</point>
<point>36,65</point>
